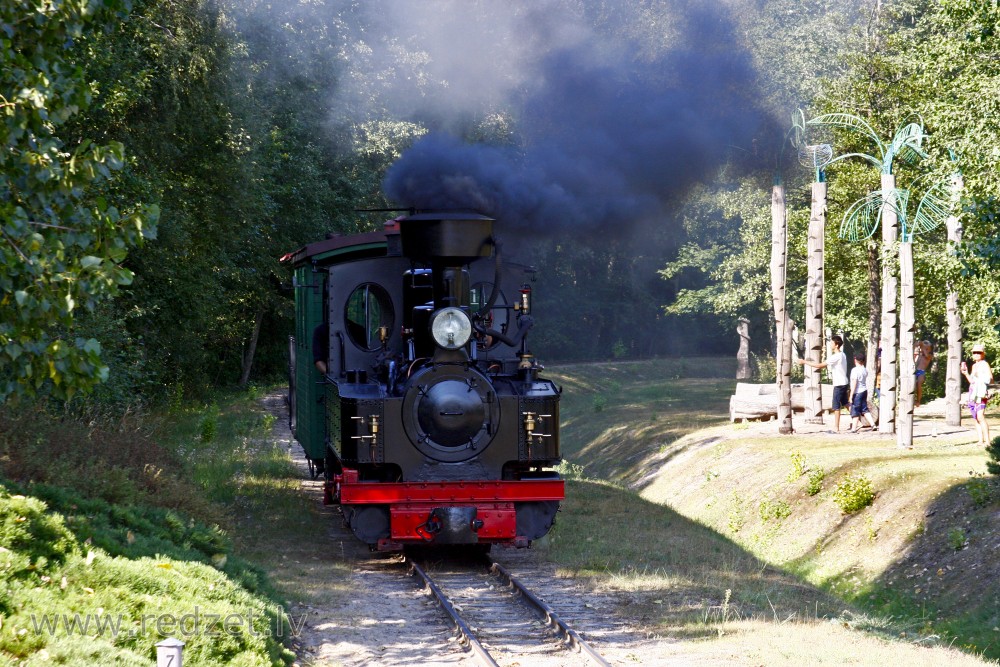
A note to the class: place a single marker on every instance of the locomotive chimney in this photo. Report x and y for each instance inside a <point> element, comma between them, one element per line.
<point>447,241</point>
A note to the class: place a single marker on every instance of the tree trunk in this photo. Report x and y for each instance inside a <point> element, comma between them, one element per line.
<point>907,380</point>
<point>743,354</point>
<point>953,376</point>
<point>890,234</point>
<point>814,303</point>
<point>782,323</point>
<point>251,348</point>
<point>874,315</point>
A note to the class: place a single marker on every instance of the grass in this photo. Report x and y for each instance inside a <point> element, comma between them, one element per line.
<point>114,536</point>
<point>724,535</point>
<point>691,506</point>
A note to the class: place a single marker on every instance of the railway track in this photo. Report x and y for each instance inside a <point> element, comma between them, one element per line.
<point>499,619</point>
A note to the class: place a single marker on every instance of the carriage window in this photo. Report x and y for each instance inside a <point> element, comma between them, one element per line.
<point>368,308</point>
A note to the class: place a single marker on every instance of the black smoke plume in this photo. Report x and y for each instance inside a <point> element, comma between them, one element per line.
<point>610,133</point>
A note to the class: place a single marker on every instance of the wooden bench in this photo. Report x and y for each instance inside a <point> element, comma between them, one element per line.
<point>760,401</point>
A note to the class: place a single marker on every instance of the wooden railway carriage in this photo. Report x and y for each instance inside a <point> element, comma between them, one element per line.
<point>431,424</point>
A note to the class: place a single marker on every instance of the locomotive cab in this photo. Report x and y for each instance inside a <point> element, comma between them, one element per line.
<point>432,423</point>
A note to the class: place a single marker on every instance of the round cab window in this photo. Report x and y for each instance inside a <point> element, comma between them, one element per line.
<point>369,308</point>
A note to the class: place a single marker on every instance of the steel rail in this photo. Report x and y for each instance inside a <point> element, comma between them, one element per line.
<point>461,626</point>
<point>568,633</point>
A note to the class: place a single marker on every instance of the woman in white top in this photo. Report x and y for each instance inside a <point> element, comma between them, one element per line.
<point>979,377</point>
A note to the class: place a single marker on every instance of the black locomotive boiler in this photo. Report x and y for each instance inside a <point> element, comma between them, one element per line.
<point>413,391</point>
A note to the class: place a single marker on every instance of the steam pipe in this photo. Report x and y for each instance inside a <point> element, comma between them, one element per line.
<point>523,325</point>
<point>498,261</point>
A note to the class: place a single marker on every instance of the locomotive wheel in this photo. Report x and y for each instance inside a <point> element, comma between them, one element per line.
<point>370,523</point>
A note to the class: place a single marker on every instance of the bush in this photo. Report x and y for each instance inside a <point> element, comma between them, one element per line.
<point>979,490</point>
<point>799,466</point>
<point>121,463</point>
<point>209,425</point>
<point>763,368</point>
<point>853,493</point>
<point>33,538</point>
<point>957,539</point>
<point>774,509</point>
<point>815,484</point>
<point>993,452</point>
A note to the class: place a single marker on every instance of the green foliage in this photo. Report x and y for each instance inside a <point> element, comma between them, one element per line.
<point>599,402</point>
<point>853,493</point>
<point>957,539</point>
<point>799,466</point>
<point>980,490</point>
<point>993,452</point>
<point>763,367</point>
<point>117,526</point>
<point>209,424</point>
<point>774,509</point>
<point>815,483</point>
<point>37,539</point>
<point>64,235</point>
<point>80,557</point>
<point>570,470</point>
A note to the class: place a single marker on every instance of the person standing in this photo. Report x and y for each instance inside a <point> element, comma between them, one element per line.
<point>836,362</point>
<point>980,376</point>
<point>922,358</point>
<point>859,395</point>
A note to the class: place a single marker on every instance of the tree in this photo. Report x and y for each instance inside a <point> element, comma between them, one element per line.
<point>955,67</point>
<point>64,234</point>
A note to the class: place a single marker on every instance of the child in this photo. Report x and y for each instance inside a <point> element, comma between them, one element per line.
<point>922,358</point>
<point>859,395</point>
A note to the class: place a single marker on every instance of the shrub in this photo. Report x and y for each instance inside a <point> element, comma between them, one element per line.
<point>763,368</point>
<point>33,536</point>
<point>815,484</point>
<point>853,493</point>
<point>993,452</point>
<point>599,403</point>
<point>798,465</point>
<point>209,425</point>
<point>979,490</point>
<point>774,509</point>
<point>956,538</point>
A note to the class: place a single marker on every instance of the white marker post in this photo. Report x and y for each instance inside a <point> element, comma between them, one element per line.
<point>168,652</point>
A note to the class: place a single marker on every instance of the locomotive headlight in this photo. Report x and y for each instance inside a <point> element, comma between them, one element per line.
<point>451,328</point>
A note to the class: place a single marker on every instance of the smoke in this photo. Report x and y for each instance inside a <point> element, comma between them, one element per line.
<point>604,111</point>
<point>610,131</point>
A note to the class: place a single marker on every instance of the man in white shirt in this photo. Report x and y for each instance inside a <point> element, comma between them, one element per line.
<point>836,362</point>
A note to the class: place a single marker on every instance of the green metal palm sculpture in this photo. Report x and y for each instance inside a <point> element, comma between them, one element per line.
<point>906,144</point>
<point>816,156</point>
<point>864,215</point>
<point>886,208</point>
<point>812,156</point>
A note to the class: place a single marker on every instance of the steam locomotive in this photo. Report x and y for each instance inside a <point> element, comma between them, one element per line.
<point>412,389</point>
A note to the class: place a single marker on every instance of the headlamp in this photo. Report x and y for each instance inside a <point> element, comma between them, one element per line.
<point>451,328</point>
